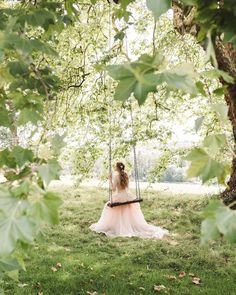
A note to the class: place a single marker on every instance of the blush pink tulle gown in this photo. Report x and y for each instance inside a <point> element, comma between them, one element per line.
<point>126,220</point>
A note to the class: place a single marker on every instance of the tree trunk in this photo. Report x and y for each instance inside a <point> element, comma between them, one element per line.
<point>226,58</point>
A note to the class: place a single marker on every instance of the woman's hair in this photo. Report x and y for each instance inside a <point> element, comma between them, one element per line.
<point>124,179</point>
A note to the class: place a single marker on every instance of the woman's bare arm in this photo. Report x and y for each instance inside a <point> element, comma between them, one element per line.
<point>113,184</point>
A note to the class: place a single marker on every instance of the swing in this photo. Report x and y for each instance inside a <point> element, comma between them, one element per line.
<point>138,199</point>
<point>136,175</point>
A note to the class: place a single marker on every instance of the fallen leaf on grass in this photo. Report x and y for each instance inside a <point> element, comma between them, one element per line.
<point>58,265</point>
<point>196,280</point>
<point>191,274</point>
<point>40,293</point>
<point>182,274</point>
<point>53,269</point>
<point>141,288</point>
<point>92,293</point>
<point>171,278</point>
<point>22,285</point>
<point>159,288</point>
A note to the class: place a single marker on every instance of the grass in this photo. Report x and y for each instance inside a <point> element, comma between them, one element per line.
<point>94,264</point>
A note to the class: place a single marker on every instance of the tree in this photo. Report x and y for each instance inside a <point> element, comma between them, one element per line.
<point>199,19</point>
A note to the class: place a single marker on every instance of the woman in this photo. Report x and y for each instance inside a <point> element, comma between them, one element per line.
<point>125,220</point>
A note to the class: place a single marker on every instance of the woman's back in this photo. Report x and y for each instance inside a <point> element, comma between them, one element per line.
<point>118,185</point>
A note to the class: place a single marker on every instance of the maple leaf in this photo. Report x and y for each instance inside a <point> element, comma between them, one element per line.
<point>182,274</point>
<point>171,278</point>
<point>53,269</point>
<point>196,280</point>
<point>158,288</point>
<point>191,274</point>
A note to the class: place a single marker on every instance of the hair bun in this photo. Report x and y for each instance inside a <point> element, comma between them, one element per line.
<point>121,166</point>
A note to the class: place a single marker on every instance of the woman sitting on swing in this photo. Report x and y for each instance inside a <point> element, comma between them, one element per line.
<point>126,220</point>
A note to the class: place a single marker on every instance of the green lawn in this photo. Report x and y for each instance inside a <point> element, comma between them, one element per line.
<point>94,264</point>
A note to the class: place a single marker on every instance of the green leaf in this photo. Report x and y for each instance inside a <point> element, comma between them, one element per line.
<point>14,225</point>
<point>200,87</point>
<point>209,228</point>
<point>29,115</point>
<point>46,209</point>
<point>216,74</point>
<point>18,68</point>
<point>9,264</point>
<point>149,62</point>
<point>5,117</point>
<point>31,101</point>
<point>209,231</point>
<point>21,190</point>
<point>199,159</point>
<point>22,155</point>
<point>37,18</point>
<point>124,89</point>
<point>71,9</point>
<point>125,3</point>
<point>222,111</point>
<point>210,50</point>
<point>230,37</point>
<point>7,159</point>
<point>49,171</point>
<point>219,219</point>
<point>44,48</point>
<point>14,229</point>
<point>211,208</point>
<point>58,143</point>
<point>141,91</point>
<point>158,7</point>
<point>215,142</point>
<point>5,76</point>
<point>142,76</point>
<point>119,72</point>
<point>226,222</point>
<point>229,79</point>
<point>202,165</point>
<point>198,123</point>
<point>181,78</point>
<point>219,91</point>
<point>16,175</point>
<point>119,36</point>
<point>28,45</point>
<point>14,275</point>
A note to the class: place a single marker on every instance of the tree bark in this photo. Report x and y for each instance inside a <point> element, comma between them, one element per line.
<point>226,58</point>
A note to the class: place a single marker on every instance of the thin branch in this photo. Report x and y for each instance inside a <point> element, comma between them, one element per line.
<point>81,83</point>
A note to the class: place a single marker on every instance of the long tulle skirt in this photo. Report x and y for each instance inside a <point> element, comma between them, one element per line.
<point>126,220</point>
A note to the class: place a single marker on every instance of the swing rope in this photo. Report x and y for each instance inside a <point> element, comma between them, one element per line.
<point>110,150</point>
<point>109,107</point>
<point>136,174</point>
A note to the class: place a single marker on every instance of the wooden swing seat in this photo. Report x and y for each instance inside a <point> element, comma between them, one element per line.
<point>115,204</point>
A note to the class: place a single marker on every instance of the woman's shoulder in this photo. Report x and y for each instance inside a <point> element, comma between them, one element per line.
<point>116,176</point>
